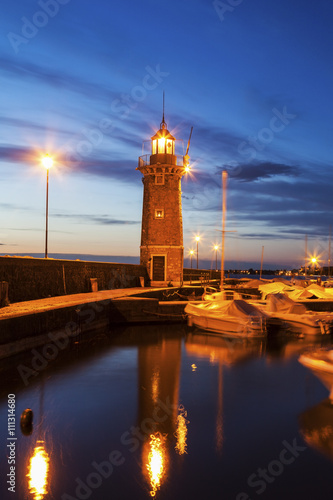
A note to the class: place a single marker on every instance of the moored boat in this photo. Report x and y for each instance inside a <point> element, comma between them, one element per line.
<point>236,318</point>
<point>296,316</point>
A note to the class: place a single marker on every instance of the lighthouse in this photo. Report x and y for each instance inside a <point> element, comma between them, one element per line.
<point>161,250</point>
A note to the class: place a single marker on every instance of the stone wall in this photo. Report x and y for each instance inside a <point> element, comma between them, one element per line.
<point>197,274</point>
<point>31,279</point>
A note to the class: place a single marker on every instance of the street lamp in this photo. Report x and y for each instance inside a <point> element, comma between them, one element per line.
<point>47,163</point>
<point>216,247</point>
<point>197,238</point>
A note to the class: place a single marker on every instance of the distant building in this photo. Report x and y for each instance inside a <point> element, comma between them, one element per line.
<point>161,249</point>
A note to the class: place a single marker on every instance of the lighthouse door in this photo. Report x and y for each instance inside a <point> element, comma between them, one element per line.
<point>158,268</point>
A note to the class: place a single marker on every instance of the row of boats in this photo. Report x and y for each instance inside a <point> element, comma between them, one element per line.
<point>228,313</point>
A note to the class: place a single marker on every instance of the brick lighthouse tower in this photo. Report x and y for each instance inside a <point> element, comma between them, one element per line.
<point>161,249</point>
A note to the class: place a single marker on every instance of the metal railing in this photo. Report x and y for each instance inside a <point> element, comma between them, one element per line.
<point>145,160</point>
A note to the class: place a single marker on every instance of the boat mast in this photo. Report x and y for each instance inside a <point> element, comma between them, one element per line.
<point>329,254</point>
<point>306,254</point>
<point>262,259</point>
<point>224,210</point>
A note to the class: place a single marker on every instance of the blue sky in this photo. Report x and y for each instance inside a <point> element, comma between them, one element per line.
<point>84,80</point>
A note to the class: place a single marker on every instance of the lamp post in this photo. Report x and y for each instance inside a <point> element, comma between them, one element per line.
<point>197,238</point>
<point>47,163</point>
<point>216,247</point>
<point>191,254</point>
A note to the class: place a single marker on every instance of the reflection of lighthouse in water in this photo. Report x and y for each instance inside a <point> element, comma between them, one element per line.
<point>158,408</point>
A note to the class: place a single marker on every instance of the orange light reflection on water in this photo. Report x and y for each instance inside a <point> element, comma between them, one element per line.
<point>181,432</point>
<point>38,472</point>
<point>156,464</point>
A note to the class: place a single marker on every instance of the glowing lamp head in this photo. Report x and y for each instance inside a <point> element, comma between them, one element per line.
<point>197,238</point>
<point>47,162</point>
<point>216,247</point>
<point>314,260</point>
<point>163,142</point>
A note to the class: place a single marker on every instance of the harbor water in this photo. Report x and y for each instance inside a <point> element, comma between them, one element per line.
<point>170,413</point>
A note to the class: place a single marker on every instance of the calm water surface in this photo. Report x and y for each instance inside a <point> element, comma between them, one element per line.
<point>165,412</point>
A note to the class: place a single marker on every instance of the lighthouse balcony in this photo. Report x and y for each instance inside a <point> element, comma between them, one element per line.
<point>163,159</point>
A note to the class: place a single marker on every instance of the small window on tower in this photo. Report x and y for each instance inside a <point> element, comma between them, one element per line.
<point>159,213</point>
<point>159,178</point>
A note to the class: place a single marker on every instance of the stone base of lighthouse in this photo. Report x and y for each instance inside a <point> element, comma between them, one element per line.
<point>164,264</point>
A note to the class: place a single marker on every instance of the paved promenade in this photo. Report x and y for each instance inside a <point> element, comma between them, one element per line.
<point>37,306</point>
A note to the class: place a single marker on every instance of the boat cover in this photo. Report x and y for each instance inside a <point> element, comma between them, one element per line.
<point>299,293</point>
<point>281,303</point>
<point>282,280</point>
<point>319,291</point>
<point>252,283</point>
<point>237,308</point>
<point>275,287</point>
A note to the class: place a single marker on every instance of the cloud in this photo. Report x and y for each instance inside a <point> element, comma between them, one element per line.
<point>16,154</point>
<point>122,169</point>
<point>251,172</point>
<point>206,139</point>
<point>30,125</point>
<point>104,220</point>
<point>204,193</point>
<point>54,78</point>
<point>278,234</point>
<point>283,200</point>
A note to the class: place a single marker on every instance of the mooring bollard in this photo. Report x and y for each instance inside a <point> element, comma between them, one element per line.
<point>94,284</point>
<point>4,294</point>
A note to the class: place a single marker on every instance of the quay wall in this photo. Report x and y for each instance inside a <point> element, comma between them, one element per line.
<point>31,278</point>
<point>61,327</point>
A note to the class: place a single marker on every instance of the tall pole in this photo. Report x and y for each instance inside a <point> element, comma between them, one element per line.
<point>47,162</point>
<point>262,259</point>
<point>216,258</point>
<point>224,209</point>
<point>329,253</point>
<point>197,238</point>
<point>47,210</point>
<point>306,254</point>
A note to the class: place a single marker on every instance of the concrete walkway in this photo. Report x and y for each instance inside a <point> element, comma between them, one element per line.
<point>35,306</point>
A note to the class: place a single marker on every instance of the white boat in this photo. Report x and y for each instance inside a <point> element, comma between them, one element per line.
<point>321,364</point>
<point>236,318</point>
<point>212,294</point>
<point>295,316</point>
